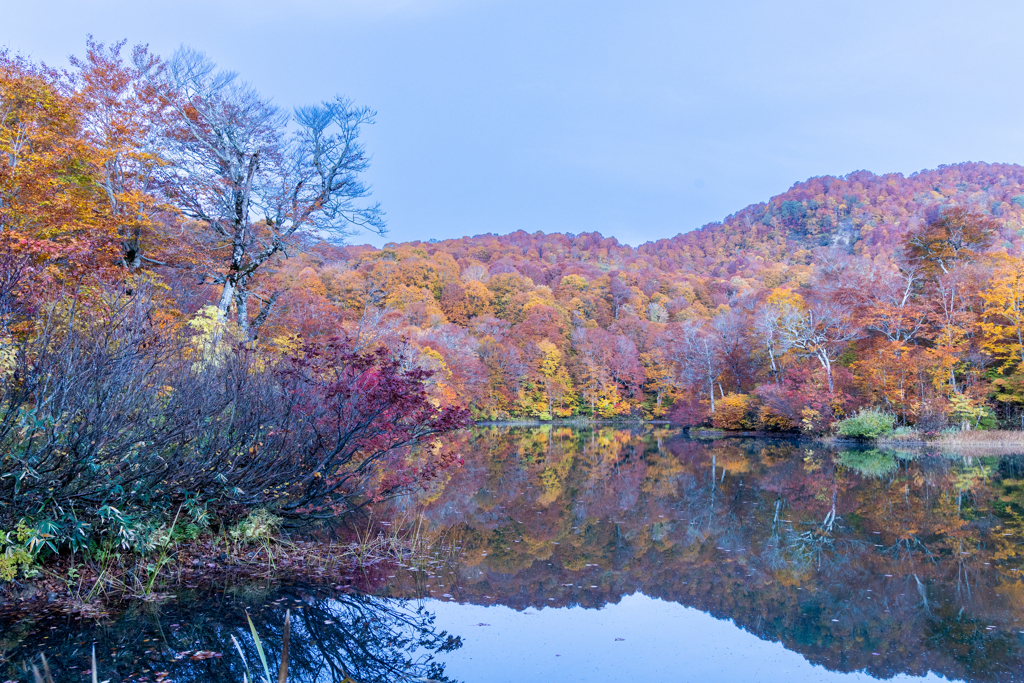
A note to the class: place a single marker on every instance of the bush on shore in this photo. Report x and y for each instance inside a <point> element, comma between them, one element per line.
<point>866,424</point>
<point>119,434</point>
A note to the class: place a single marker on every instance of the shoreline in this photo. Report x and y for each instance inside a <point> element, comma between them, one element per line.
<point>568,422</point>
<point>205,562</point>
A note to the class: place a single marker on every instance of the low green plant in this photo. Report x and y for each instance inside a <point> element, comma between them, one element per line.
<point>16,555</point>
<point>259,526</point>
<point>866,424</point>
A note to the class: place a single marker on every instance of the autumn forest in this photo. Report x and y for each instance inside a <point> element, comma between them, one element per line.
<point>902,294</point>
<point>189,329</point>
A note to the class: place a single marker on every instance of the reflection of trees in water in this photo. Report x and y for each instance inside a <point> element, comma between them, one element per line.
<point>792,551</point>
<point>365,638</point>
<point>738,526</point>
<point>983,655</point>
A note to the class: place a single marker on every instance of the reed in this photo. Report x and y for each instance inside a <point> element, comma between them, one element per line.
<point>994,438</point>
<point>43,675</point>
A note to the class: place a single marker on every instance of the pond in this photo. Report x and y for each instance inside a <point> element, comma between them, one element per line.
<point>611,554</point>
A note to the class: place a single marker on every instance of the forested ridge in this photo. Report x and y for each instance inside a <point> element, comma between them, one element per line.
<point>840,294</point>
<point>173,179</point>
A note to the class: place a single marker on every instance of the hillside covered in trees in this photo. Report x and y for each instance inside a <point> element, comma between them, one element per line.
<point>229,216</point>
<point>901,293</point>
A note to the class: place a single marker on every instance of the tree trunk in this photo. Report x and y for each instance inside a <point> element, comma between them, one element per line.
<point>242,309</point>
<point>264,313</point>
<point>226,296</point>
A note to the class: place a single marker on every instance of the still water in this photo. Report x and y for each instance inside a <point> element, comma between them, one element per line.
<point>606,554</point>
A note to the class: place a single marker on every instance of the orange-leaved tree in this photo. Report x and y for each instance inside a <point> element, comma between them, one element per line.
<point>122,118</point>
<point>51,209</point>
<point>1002,328</point>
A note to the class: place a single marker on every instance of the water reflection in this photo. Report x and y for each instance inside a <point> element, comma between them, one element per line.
<point>335,637</point>
<point>886,562</point>
<point>859,559</point>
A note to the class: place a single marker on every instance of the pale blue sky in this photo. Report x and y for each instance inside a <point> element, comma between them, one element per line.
<point>639,120</point>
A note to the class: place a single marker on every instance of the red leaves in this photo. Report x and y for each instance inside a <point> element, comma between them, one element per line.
<point>368,423</point>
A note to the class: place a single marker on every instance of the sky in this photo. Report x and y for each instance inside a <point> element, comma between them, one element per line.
<point>639,120</point>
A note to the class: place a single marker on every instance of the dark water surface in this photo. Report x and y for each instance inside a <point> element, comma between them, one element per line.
<point>619,555</point>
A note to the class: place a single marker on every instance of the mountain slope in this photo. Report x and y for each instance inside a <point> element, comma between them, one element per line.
<point>862,213</point>
<point>865,213</point>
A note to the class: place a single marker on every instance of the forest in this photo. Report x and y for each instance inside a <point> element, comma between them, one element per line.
<point>862,293</point>
<point>187,336</point>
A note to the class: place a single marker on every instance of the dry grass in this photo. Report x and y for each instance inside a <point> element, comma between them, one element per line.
<point>972,442</point>
<point>913,438</point>
<point>995,438</point>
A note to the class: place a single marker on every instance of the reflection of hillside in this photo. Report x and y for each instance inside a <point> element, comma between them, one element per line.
<point>793,542</point>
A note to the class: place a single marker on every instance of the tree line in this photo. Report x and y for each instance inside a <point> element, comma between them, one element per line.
<point>925,327</point>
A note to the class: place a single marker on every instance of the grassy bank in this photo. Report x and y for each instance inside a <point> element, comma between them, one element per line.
<point>88,583</point>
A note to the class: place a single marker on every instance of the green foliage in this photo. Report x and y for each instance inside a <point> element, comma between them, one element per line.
<point>867,424</point>
<point>259,526</point>
<point>869,463</point>
<point>972,413</point>
<point>16,552</point>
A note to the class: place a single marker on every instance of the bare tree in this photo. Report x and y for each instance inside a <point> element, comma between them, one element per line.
<point>731,332</point>
<point>766,326</point>
<point>895,311</point>
<point>256,189</point>
<point>822,331</point>
<point>694,351</point>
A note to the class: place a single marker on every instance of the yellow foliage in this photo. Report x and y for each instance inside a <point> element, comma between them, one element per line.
<point>734,412</point>
<point>1003,324</point>
<point>345,287</point>
<point>13,554</point>
<point>809,419</point>
<point>286,344</point>
<point>478,299</point>
<point>945,357</point>
<point>214,334</point>
<point>8,354</point>
<point>773,422</point>
<point>405,297</point>
<point>311,282</point>
<point>551,358</point>
<point>574,283</point>
<point>786,299</point>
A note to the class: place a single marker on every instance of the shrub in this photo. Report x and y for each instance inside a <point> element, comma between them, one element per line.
<point>774,422</point>
<point>14,553</point>
<point>110,427</point>
<point>689,411</point>
<point>867,424</point>
<point>734,412</point>
<point>259,526</point>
